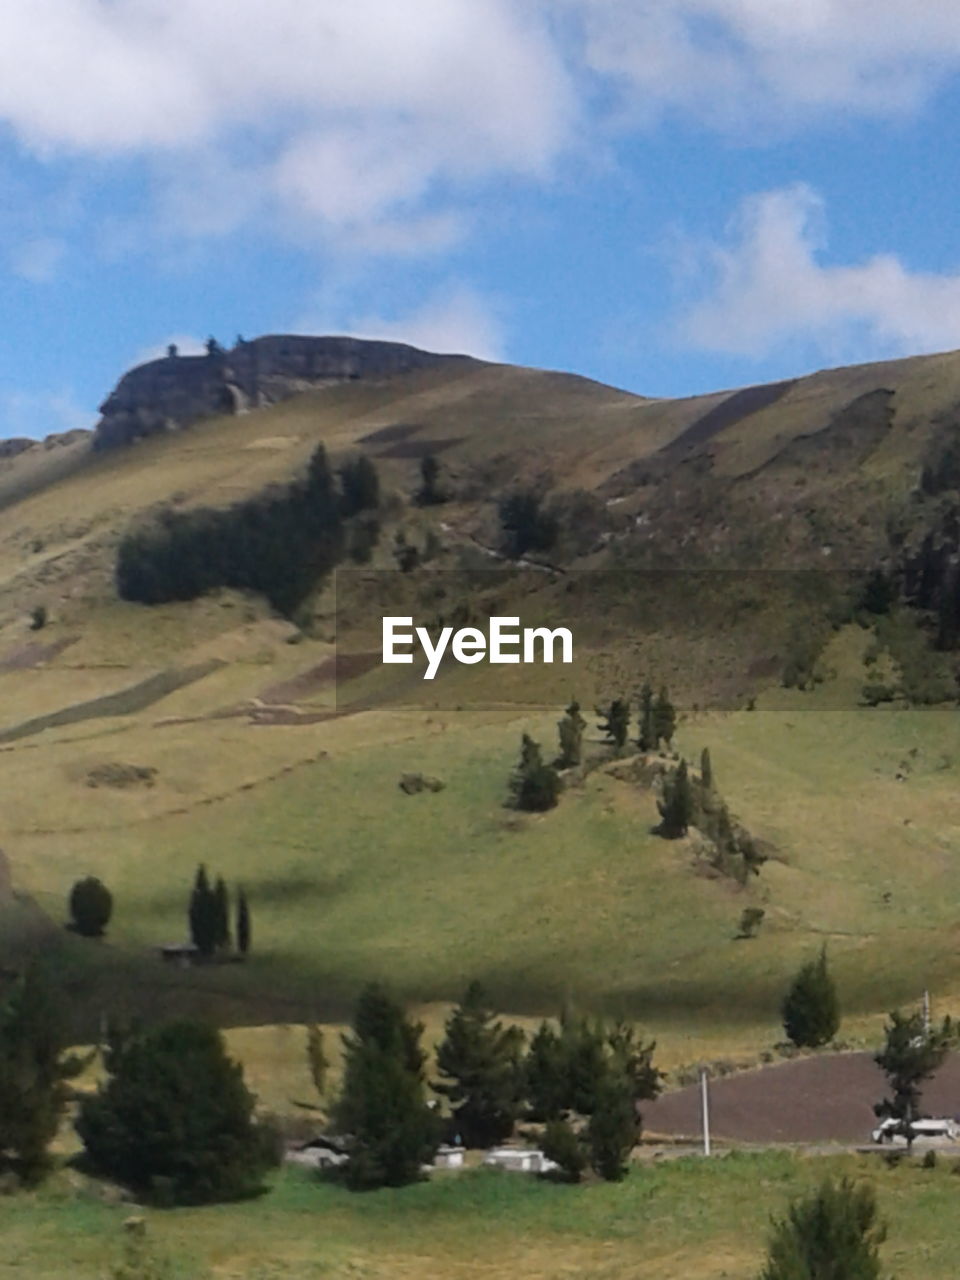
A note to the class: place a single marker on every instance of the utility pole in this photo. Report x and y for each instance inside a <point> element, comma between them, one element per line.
<point>705,1110</point>
<point>926,1013</point>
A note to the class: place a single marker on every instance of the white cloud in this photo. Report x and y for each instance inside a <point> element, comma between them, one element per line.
<point>343,113</point>
<point>186,343</point>
<point>455,320</point>
<point>767,286</point>
<point>38,259</point>
<point>764,62</point>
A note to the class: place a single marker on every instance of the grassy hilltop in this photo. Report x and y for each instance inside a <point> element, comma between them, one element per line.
<point>277,752</point>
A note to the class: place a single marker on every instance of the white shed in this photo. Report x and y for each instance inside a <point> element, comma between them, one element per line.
<point>519,1160</point>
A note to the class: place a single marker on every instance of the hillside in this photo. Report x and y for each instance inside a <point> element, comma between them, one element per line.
<point>277,748</point>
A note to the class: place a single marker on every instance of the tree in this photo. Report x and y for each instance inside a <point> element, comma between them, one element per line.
<point>534,786</point>
<point>221,914</point>
<point>526,526</point>
<point>750,922</point>
<point>174,1120</point>
<point>360,485</point>
<point>545,1075</point>
<point>615,722</point>
<point>585,1053</point>
<point>664,717</point>
<point>570,730</point>
<point>831,1234</point>
<point>561,1145</point>
<point>382,1104</point>
<point>706,770</point>
<point>429,494</point>
<point>811,1013</point>
<point>479,1060</point>
<point>676,803</point>
<point>317,1060</point>
<point>612,1128</point>
<point>91,905</point>
<point>202,914</point>
<point>32,1074</point>
<point>647,738</point>
<point>911,1054</point>
<point>38,617</point>
<point>243,924</point>
<point>632,1060</point>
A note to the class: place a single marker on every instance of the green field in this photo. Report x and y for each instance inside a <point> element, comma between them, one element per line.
<point>680,1220</point>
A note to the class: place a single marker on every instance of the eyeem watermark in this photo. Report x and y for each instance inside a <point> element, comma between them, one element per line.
<point>504,642</point>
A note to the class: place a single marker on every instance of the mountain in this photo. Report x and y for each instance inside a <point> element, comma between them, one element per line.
<point>778,547</point>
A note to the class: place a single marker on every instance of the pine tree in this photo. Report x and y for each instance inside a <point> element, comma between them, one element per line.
<point>243,924</point>
<point>479,1060</point>
<point>570,730</point>
<point>647,739</point>
<point>534,786</point>
<point>317,1060</point>
<point>632,1060</point>
<point>382,1104</point>
<point>32,1074</point>
<point>811,1013</point>
<point>706,770</point>
<point>664,718</point>
<point>360,485</point>
<point>174,1120</point>
<point>612,1129</point>
<point>584,1047</point>
<point>221,914</point>
<point>912,1053</point>
<point>832,1234</point>
<point>676,804</point>
<point>429,493</point>
<point>91,905</point>
<point>615,722</point>
<point>545,1077</point>
<point>203,914</point>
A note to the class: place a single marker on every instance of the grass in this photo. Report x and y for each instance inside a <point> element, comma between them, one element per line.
<point>685,1219</point>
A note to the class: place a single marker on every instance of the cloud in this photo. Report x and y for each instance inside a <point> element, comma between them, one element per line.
<point>454,320</point>
<point>38,260</point>
<point>186,343</point>
<point>767,286</point>
<point>345,114</point>
<point>737,61</point>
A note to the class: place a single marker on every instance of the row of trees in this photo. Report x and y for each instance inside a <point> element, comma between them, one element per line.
<point>209,917</point>
<point>280,543</point>
<point>656,720</point>
<point>579,1075</point>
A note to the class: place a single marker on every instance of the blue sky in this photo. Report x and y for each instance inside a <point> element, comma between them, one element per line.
<point>668,195</point>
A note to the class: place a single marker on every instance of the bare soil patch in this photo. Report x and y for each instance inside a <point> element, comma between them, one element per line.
<point>342,666</point>
<point>34,654</point>
<point>828,1097</point>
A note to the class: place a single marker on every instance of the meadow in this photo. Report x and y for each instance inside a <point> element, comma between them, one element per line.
<point>683,1219</point>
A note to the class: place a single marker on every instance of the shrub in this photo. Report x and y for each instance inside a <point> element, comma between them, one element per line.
<point>811,1014</point>
<point>562,1145</point>
<point>834,1232</point>
<point>91,905</point>
<point>38,617</point>
<point>174,1120</point>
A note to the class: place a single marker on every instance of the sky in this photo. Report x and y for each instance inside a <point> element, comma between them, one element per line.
<point>672,196</point>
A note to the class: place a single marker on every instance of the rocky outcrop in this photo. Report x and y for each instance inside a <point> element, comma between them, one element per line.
<point>177,391</point>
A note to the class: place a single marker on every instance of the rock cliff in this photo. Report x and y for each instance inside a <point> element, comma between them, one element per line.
<point>167,394</point>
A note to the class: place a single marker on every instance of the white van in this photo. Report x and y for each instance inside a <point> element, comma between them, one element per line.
<point>924,1131</point>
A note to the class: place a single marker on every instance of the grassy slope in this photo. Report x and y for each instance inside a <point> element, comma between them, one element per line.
<point>684,1220</point>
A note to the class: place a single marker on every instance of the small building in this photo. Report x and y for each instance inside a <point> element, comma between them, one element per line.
<point>448,1157</point>
<point>321,1152</point>
<point>183,954</point>
<point>519,1160</point>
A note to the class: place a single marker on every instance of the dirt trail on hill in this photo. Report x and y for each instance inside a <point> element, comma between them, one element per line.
<point>824,1098</point>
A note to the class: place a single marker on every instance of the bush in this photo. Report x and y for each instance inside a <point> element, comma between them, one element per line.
<point>562,1145</point>
<point>834,1232</point>
<point>38,617</point>
<point>91,905</point>
<point>174,1120</point>
<point>811,1014</point>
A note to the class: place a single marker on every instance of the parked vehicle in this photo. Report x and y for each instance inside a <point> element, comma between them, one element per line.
<point>926,1131</point>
